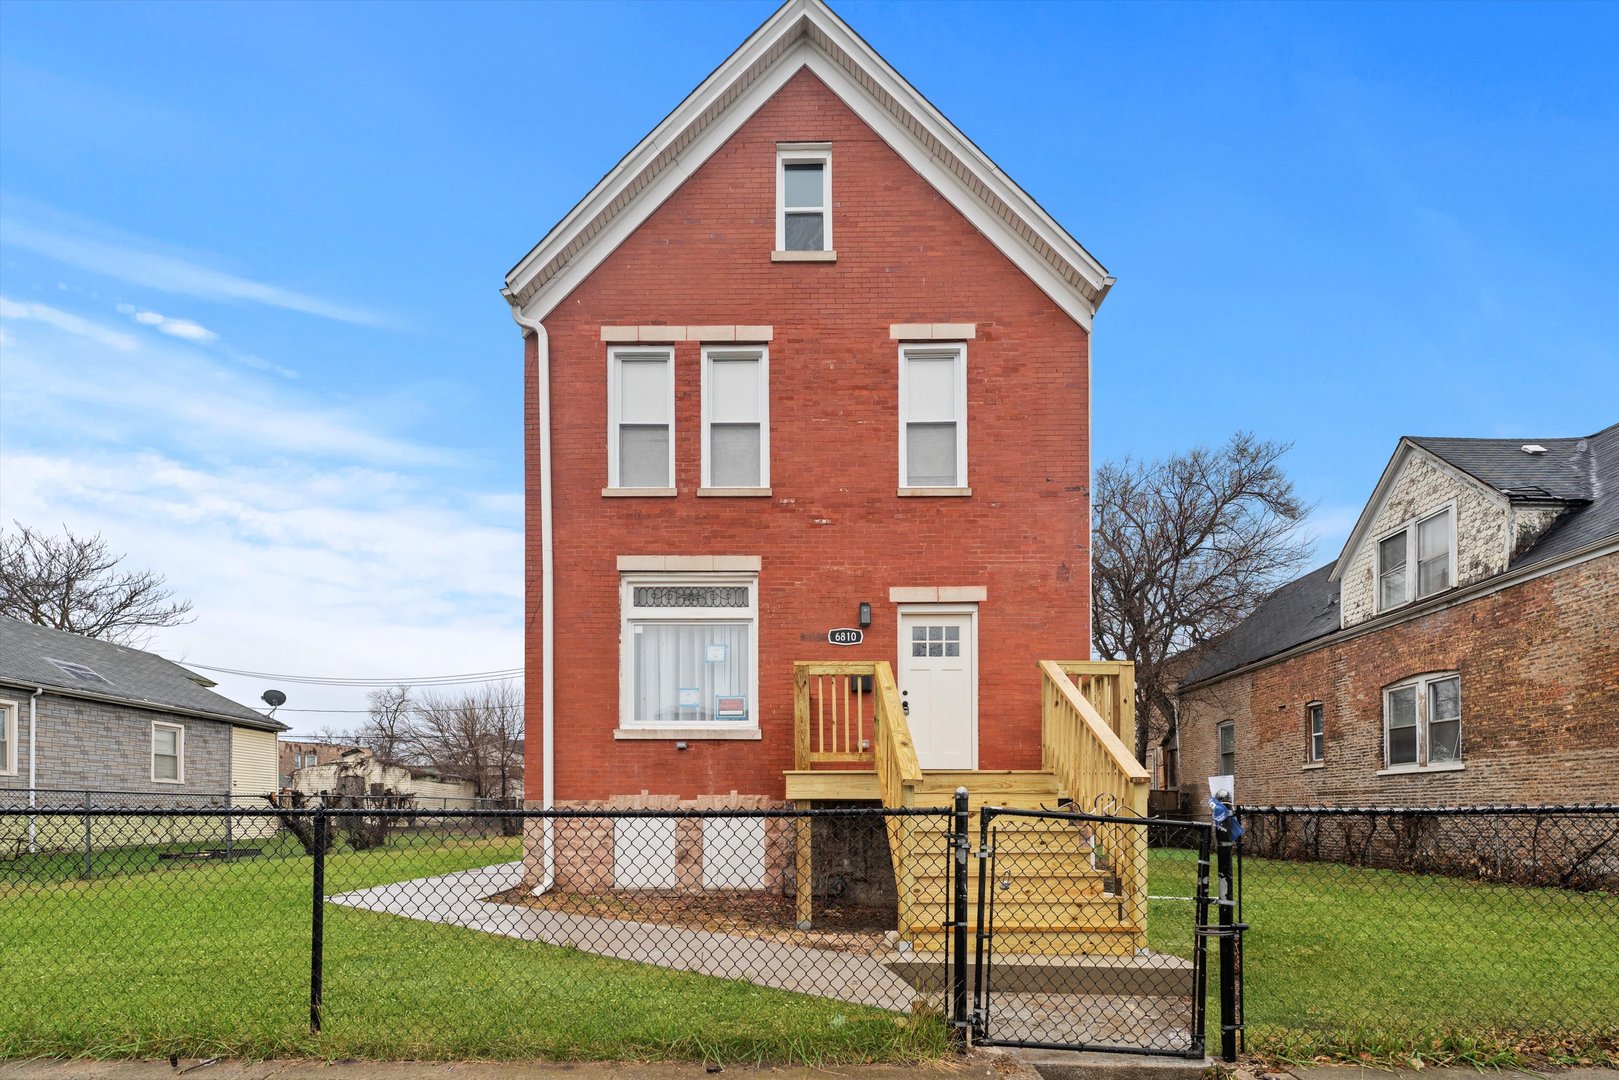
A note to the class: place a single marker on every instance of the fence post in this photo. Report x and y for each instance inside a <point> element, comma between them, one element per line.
<point>87,807</point>
<point>317,929</point>
<point>1230,1014</point>
<point>230,832</point>
<point>958,916</point>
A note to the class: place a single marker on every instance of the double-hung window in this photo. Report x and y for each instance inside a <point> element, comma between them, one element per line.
<point>933,416</point>
<point>1416,561</point>
<point>641,418</point>
<point>736,418</point>
<point>1422,722</point>
<point>168,753</point>
<point>1228,748</point>
<point>689,649</point>
<point>1315,721</point>
<point>8,738</point>
<point>803,197</point>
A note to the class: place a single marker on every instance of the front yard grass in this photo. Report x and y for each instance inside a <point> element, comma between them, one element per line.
<point>1345,961</point>
<point>212,959</point>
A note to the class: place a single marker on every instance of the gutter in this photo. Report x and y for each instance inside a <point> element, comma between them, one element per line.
<point>1477,591</point>
<point>542,394</point>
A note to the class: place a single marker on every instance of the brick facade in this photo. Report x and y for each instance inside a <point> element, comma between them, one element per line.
<point>834,533</point>
<point>97,745</point>
<point>1539,667</point>
<point>325,753</point>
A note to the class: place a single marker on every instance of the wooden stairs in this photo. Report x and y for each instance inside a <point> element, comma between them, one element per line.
<point>1061,888</point>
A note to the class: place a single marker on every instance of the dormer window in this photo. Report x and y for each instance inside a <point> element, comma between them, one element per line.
<point>1416,561</point>
<point>804,197</point>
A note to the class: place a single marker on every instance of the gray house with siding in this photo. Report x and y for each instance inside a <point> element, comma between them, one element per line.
<point>79,715</point>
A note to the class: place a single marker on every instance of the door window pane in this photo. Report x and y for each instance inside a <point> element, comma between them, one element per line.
<point>930,455</point>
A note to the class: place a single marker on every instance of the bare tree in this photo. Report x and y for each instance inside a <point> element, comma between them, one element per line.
<point>1182,550</point>
<point>476,734</point>
<point>73,583</point>
<point>389,731</point>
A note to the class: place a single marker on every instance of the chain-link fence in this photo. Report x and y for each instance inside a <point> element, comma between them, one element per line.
<point>1472,929</point>
<point>385,932</point>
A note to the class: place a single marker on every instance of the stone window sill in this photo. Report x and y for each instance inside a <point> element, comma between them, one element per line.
<point>803,256</point>
<point>1407,770</point>
<point>638,493</point>
<point>687,734</point>
<point>734,493</point>
<point>934,492</point>
<point>1309,765</point>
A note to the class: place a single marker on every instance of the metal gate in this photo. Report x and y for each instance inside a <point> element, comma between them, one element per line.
<point>1063,960</point>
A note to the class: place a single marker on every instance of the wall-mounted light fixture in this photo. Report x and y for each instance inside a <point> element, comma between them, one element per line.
<point>865,615</point>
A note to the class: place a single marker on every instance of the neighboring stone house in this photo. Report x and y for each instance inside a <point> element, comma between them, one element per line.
<point>804,360</point>
<point>1463,649</point>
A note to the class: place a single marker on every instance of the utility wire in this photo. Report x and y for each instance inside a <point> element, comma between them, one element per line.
<point>500,675</point>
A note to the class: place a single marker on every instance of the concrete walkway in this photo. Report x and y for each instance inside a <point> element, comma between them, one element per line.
<point>458,900</point>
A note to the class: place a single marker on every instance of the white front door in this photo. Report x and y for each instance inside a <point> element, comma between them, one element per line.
<point>938,684</point>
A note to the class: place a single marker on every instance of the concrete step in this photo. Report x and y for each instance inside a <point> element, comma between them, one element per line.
<point>1146,975</point>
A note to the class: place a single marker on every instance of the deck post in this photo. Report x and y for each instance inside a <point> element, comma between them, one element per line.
<point>804,878</point>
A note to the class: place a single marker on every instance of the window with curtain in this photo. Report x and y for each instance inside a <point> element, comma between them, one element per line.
<point>736,418</point>
<point>1422,722</point>
<point>690,643</point>
<point>641,418</point>
<point>804,198</point>
<point>168,753</point>
<point>1427,541</point>
<point>933,416</point>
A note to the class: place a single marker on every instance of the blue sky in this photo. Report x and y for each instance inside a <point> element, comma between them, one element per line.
<point>250,254</point>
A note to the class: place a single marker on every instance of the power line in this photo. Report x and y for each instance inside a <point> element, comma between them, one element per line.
<point>500,675</point>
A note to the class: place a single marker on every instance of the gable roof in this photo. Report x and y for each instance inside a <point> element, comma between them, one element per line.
<point>37,656</point>
<point>1300,611</point>
<point>806,34</point>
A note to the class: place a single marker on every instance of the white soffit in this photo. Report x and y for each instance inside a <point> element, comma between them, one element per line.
<point>806,34</point>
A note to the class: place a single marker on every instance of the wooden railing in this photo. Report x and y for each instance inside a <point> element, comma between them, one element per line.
<point>897,768</point>
<point>1110,687</point>
<point>1095,767</point>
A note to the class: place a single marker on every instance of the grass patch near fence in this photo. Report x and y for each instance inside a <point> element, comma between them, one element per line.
<point>212,959</point>
<point>1356,963</point>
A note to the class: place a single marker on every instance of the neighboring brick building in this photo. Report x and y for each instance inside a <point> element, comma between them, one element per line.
<point>1463,649</point>
<point>302,754</point>
<point>804,349</point>
<point>81,718</point>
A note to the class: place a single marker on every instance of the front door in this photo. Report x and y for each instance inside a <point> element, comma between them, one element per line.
<point>939,685</point>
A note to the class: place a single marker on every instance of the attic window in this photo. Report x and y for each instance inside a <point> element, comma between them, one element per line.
<point>804,197</point>
<point>1533,448</point>
<point>81,672</point>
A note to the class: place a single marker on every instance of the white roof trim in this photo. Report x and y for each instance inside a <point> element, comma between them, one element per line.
<point>1374,505</point>
<point>805,33</point>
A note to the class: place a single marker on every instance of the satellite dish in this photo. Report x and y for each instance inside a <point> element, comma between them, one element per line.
<point>273,698</point>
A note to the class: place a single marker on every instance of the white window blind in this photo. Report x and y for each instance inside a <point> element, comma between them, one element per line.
<point>933,437</point>
<point>168,750</point>
<point>641,398</point>
<point>736,418</point>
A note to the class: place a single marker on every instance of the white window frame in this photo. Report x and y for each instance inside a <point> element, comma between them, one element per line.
<point>1219,755</point>
<point>179,753</point>
<point>1311,711</point>
<point>725,352</point>
<point>906,351</point>
<point>614,388</point>
<point>1421,683</point>
<point>630,615</point>
<point>1412,567</point>
<point>8,733</point>
<point>803,154</point>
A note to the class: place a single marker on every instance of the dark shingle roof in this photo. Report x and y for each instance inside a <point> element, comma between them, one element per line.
<point>140,678</point>
<point>1581,473</point>
<point>1299,611</point>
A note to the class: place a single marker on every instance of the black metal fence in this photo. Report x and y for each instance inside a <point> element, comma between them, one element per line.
<point>1439,929</point>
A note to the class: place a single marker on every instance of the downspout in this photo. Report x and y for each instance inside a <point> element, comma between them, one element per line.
<point>542,393</point>
<point>33,761</point>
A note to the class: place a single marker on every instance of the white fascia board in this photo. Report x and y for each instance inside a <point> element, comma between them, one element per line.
<point>805,54</point>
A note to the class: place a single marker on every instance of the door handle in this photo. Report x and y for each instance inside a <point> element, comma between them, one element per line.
<point>904,705</point>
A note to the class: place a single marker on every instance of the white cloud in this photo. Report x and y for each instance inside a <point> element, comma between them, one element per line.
<point>66,322</point>
<point>180,328</point>
<point>171,274</point>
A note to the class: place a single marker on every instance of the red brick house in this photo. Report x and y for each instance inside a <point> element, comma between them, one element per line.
<point>805,349</point>
<point>1462,650</point>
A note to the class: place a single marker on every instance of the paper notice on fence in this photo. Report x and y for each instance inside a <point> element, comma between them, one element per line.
<point>1223,787</point>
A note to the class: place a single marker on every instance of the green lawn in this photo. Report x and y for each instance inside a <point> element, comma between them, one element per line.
<point>213,959</point>
<point>1339,959</point>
